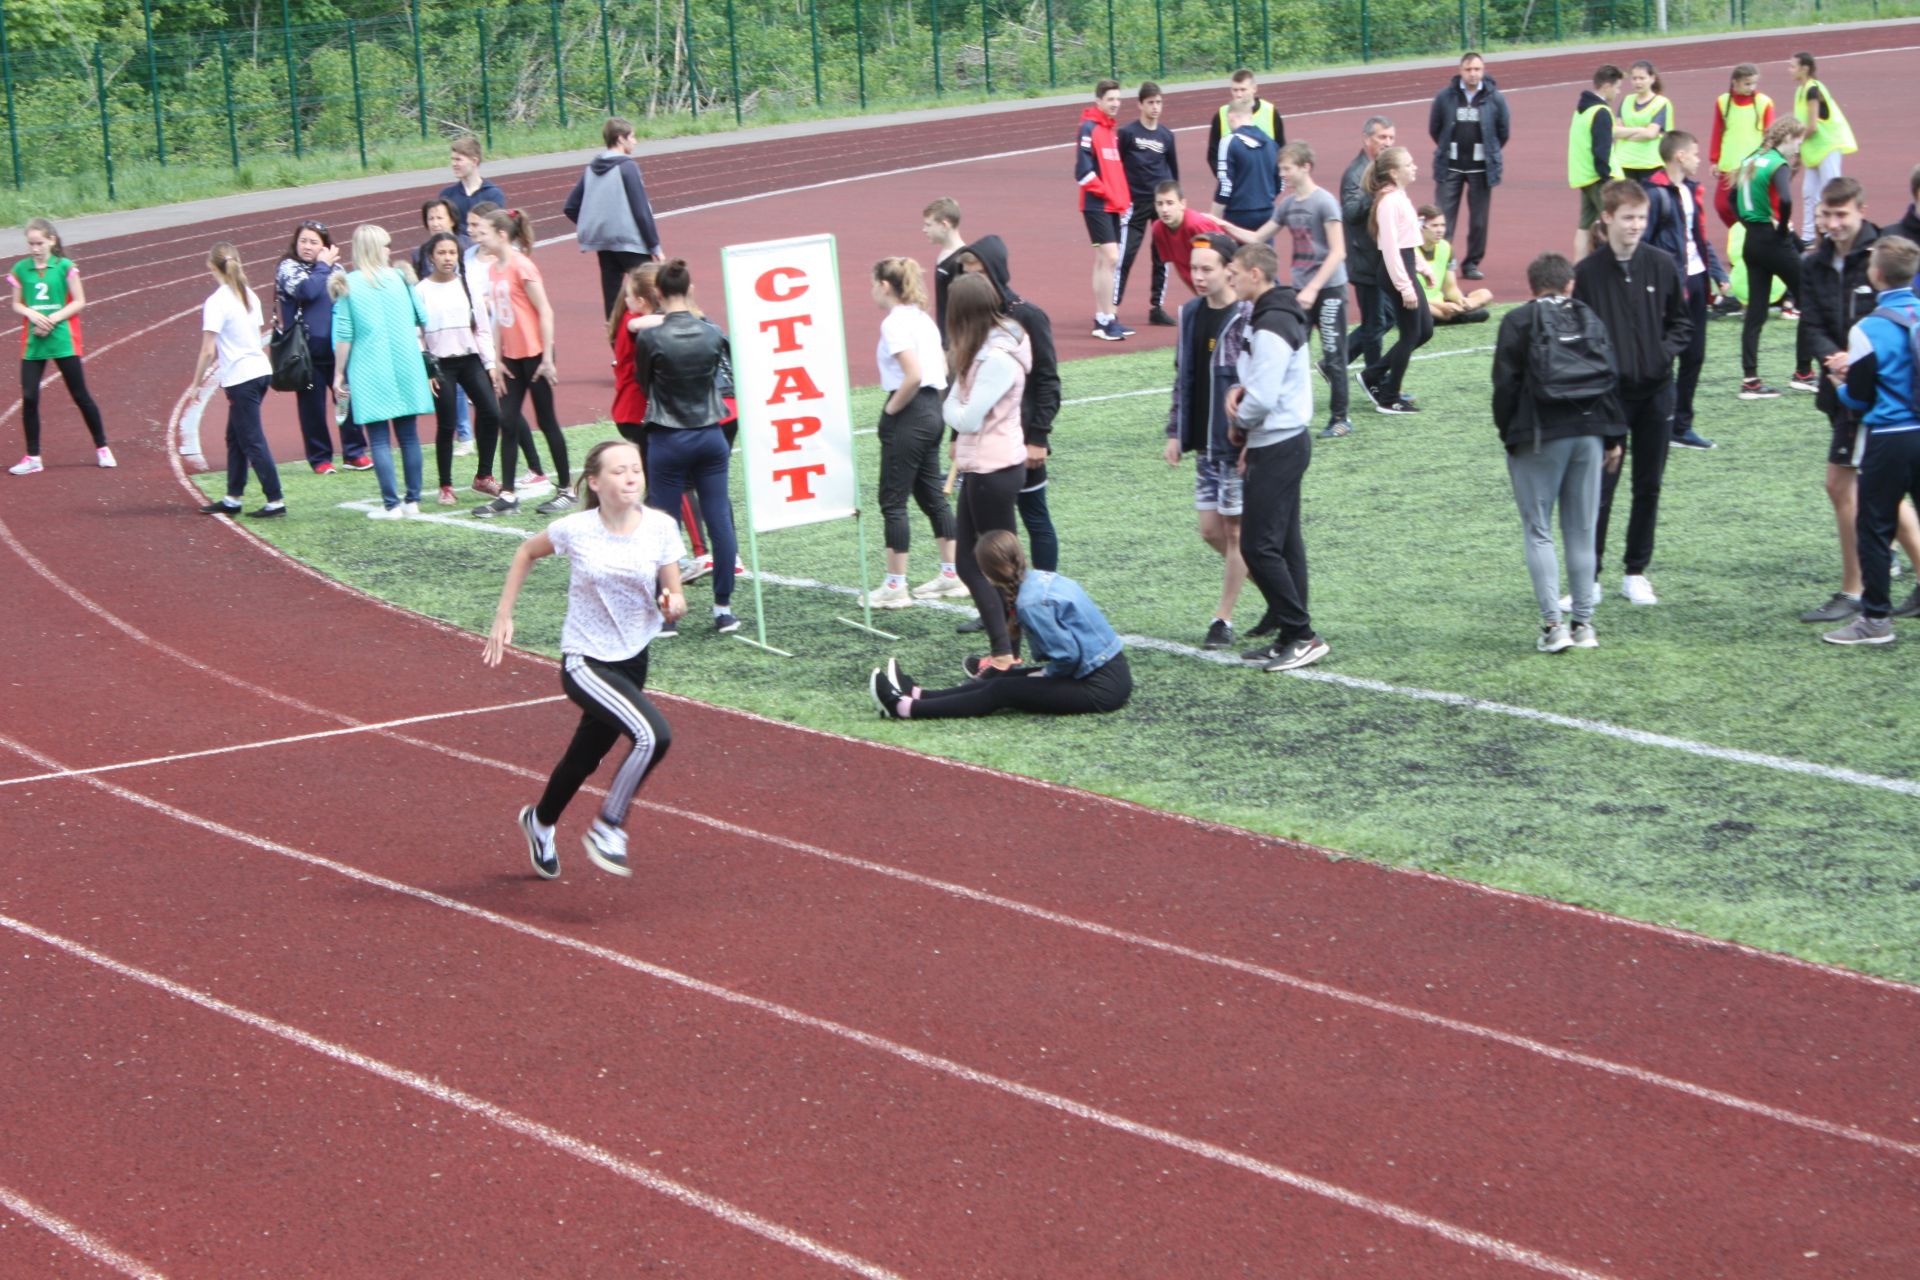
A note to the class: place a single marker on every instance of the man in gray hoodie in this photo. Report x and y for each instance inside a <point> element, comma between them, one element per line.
<point>609,206</point>
<point>1271,409</point>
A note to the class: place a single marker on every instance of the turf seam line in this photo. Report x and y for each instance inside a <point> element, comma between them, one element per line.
<point>281,742</point>
<point>1401,1215</point>
<point>78,1237</point>
<point>494,1113</point>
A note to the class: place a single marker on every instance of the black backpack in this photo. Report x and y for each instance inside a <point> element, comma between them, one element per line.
<point>1569,355</point>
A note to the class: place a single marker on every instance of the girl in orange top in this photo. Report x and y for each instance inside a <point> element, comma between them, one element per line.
<point>523,333</point>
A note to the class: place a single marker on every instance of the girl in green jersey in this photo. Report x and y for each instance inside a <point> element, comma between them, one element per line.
<point>48,299</point>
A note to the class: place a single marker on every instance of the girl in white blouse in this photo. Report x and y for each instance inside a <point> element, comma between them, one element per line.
<point>459,337</point>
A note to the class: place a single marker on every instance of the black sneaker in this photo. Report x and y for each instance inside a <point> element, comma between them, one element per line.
<point>886,698</point>
<point>900,680</point>
<point>971,627</point>
<point>1805,382</point>
<point>1302,652</point>
<point>1402,404</point>
<point>268,513</point>
<point>1337,428</point>
<point>1159,316</point>
<point>1910,607</point>
<point>1265,653</point>
<point>1840,607</point>
<point>546,861</point>
<point>560,502</point>
<point>1219,635</point>
<point>498,507</point>
<point>725,623</point>
<point>1691,439</point>
<point>1754,389</point>
<point>1726,305</point>
<point>221,509</point>
<point>1265,627</point>
<point>1374,398</point>
<point>1472,271</point>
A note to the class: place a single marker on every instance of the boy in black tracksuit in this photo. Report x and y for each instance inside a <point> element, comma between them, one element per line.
<point>1150,156</point>
<point>1638,294</point>
<point>1039,406</point>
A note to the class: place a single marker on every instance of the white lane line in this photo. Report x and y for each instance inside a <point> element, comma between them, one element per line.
<point>493,1113</point>
<point>280,742</point>
<point>1401,1215</point>
<point>102,350</point>
<point>77,1237</point>
<point>1279,977</point>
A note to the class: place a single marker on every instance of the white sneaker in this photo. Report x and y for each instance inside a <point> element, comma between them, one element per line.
<point>885,597</point>
<point>1584,637</point>
<point>104,456</point>
<point>940,587</point>
<point>1637,589</point>
<point>410,509</point>
<point>389,513</point>
<point>26,466</point>
<point>1555,638</point>
<point>606,845</point>
<point>463,448</point>
<point>1566,601</point>
<point>533,486</point>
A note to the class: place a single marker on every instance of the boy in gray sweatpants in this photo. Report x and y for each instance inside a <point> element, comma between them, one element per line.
<point>1556,451</point>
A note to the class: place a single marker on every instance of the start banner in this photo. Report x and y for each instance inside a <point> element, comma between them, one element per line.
<point>790,380</point>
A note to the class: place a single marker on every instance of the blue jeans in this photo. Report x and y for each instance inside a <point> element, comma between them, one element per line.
<point>382,447</point>
<point>679,460</point>
<point>247,443</point>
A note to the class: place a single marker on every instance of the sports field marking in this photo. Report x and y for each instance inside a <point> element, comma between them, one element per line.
<point>1526,1044</point>
<point>512,1121</point>
<point>78,1237</point>
<point>1466,1237</point>
<point>1464,701</point>
<point>281,742</point>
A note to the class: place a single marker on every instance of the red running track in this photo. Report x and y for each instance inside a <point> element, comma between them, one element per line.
<point>290,1008</point>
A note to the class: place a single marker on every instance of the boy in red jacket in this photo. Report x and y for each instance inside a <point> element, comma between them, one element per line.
<point>1103,201</point>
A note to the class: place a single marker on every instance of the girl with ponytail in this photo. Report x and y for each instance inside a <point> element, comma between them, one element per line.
<point>1763,200</point>
<point>523,335</point>
<point>232,325</point>
<point>913,373</point>
<point>1396,228</point>
<point>1082,668</point>
<point>48,298</point>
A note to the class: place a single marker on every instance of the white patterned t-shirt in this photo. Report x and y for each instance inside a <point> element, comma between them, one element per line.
<point>612,598</point>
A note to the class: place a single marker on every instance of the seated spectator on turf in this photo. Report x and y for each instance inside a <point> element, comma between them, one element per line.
<point>609,206</point>
<point>1560,421</point>
<point>1248,173</point>
<point>1835,295</point>
<point>1080,667</point>
<point>468,188</point>
<point>1677,224</point>
<point>1176,229</point>
<point>1210,333</point>
<point>1270,411</point>
<point>1878,375</point>
<point>940,224</point>
<point>1441,279</point>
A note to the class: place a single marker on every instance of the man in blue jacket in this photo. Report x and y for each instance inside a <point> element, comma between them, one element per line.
<point>1468,124</point>
<point>1876,375</point>
<point>1248,171</point>
<point>609,206</point>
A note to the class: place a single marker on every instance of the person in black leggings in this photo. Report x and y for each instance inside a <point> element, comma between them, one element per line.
<point>1083,671</point>
<point>1763,199</point>
<point>1396,228</point>
<point>460,338</point>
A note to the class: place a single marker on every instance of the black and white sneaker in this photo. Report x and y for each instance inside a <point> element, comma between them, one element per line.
<point>725,623</point>
<point>1374,398</point>
<point>1691,439</point>
<point>498,507</point>
<point>606,845</point>
<point>1260,653</point>
<point>1754,389</point>
<point>1401,404</point>
<point>1336,428</point>
<point>1107,330</point>
<point>1300,653</point>
<point>900,680</point>
<point>558,504</point>
<point>1219,635</point>
<point>886,698</point>
<point>546,861</point>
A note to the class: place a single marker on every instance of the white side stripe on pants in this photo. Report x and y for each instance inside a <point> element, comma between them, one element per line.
<point>626,779</point>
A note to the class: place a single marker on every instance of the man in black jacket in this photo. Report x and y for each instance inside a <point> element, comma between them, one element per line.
<point>1909,226</point>
<point>1376,305</point>
<point>1468,123</point>
<point>1040,404</point>
<point>1834,296</point>
<point>1557,451</point>
<point>1637,292</point>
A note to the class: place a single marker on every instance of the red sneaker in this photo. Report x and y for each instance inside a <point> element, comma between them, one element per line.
<point>358,464</point>
<point>487,485</point>
<point>324,469</point>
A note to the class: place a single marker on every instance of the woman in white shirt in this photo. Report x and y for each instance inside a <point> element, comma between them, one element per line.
<point>624,584</point>
<point>913,373</point>
<point>231,325</point>
<point>459,337</point>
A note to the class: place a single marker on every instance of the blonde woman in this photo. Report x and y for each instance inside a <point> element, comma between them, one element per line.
<point>913,373</point>
<point>1396,229</point>
<point>380,372</point>
<point>231,326</point>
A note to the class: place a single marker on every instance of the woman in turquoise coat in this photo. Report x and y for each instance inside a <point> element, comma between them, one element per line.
<point>381,371</point>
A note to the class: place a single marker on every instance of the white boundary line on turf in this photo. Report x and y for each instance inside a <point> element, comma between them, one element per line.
<point>1401,1215</point>
<point>281,742</point>
<point>512,1121</point>
<point>77,1237</point>
<point>1128,938</point>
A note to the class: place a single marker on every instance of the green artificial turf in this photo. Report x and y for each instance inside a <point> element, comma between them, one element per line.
<point>1418,582</point>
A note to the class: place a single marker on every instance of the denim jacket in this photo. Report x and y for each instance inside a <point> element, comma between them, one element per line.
<point>1064,625</point>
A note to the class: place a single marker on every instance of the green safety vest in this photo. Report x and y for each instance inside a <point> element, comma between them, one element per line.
<point>1580,170</point>
<point>1642,153</point>
<point>1752,199</point>
<point>1442,259</point>
<point>1262,120</point>
<point>1740,131</point>
<point>1824,137</point>
<point>45,292</point>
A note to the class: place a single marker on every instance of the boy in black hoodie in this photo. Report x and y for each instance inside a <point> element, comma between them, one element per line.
<point>1639,296</point>
<point>1041,403</point>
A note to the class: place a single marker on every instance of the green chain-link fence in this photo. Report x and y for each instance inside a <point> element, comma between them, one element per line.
<point>428,71</point>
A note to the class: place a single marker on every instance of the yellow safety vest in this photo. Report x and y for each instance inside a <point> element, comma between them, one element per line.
<point>1580,170</point>
<point>1262,120</point>
<point>1442,259</point>
<point>1740,131</point>
<point>1824,137</point>
<point>1641,153</point>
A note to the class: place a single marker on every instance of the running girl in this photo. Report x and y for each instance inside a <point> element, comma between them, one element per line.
<point>1763,199</point>
<point>48,298</point>
<point>913,373</point>
<point>460,337</point>
<point>231,324</point>
<point>523,334</point>
<point>624,583</point>
<point>1396,228</point>
<point>1083,667</point>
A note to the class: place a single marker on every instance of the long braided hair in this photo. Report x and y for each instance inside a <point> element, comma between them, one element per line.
<point>460,268</point>
<point>1004,561</point>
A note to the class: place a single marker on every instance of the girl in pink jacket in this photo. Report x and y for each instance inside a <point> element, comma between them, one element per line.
<point>1396,228</point>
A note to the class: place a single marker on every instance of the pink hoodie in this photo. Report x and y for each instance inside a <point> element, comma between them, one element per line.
<point>990,436</point>
<point>1399,229</point>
